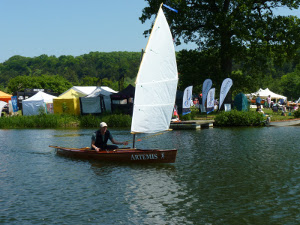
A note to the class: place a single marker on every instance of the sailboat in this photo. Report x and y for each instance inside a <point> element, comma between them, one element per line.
<point>154,100</point>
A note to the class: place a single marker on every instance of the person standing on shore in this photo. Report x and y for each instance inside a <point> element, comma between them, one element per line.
<point>269,101</point>
<point>258,101</point>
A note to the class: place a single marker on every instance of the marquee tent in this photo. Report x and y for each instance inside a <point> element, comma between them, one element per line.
<point>5,97</point>
<point>265,93</point>
<point>241,102</point>
<point>123,100</point>
<point>86,90</point>
<point>2,104</point>
<point>32,105</point>
<point>126,93</point>
<point>97,102</point>
<point>68,102</point>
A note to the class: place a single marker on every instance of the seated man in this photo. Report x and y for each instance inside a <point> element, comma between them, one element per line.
<point>100,138</point>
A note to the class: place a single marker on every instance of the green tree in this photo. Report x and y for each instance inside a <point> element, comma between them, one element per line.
<point>290,84</point>
<point>194,67</point>
<point>237,30</point>
<point>89,81</point>
<point>56,83</point>
<point>98,65</point>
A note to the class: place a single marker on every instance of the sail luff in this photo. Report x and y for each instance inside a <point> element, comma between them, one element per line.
<point>147,44</point>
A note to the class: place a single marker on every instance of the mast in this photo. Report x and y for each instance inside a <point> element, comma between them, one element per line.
<point>133,141</point>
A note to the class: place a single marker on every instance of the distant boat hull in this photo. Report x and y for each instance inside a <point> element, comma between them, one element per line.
<point>127,155</point>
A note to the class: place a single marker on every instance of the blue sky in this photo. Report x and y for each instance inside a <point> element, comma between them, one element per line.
<point>73,27</point>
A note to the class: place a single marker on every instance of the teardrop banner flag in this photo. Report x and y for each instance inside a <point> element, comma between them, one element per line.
<point>226,85</point>
<point>205,88</point>
<point>14,102</point>
<point>211,100</point>
<point>187,101</point>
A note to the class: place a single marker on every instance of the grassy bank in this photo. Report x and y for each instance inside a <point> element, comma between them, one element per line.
<point>275,116</point>
<point>64,121</point>
<point>233,118</point>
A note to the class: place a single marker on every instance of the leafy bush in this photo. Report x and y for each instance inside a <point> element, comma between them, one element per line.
<point>189,116</point>
<point>112,120</point>
<point>38,121</point>
<point>297,114</point>
<point>239,118</point>
<point>119,120</point>
<point>64,120</point>
<point>89,121</point>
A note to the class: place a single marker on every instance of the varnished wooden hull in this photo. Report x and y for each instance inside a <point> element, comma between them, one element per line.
<point>121,155</point>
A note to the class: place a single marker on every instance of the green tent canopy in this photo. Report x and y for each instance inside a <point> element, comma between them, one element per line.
<point>241,102</point>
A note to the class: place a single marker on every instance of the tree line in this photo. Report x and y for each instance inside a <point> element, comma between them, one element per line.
<point>118,69</point>
<point>57,73</point>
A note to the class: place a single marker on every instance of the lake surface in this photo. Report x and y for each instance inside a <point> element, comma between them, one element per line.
<point>221,176</point>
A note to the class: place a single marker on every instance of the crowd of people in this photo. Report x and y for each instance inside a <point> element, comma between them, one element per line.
<point>281,105</point>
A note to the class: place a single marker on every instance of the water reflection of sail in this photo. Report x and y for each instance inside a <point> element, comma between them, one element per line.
<point>155,191</point>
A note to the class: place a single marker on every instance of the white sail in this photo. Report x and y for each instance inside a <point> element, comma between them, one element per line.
<point>156,82</point>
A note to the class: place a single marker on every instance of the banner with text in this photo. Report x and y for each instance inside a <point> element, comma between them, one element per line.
<point>205,88</point>
<point>226,85</point>
<point>14,103</point>
<point>187,100</point>
<point>211,100</point>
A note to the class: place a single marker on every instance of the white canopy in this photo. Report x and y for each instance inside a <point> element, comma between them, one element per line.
<point>2,104</point>
<point>92,103</point>
<point>32,105</point>
<point>86,90</point>
<point>103,90</point>
<point>41,96</point>
<point>265,93</point>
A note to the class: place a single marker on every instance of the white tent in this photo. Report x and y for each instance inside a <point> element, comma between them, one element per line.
<point>97,101</point>
<point>265,93</point>
<point>32,105</point>
<point>82,89</point>
<point>2,104</point>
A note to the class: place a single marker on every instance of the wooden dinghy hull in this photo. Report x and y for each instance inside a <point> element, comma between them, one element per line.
<point>127,155</point>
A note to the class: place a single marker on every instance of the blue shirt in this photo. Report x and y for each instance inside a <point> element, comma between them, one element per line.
<point>258,100</point>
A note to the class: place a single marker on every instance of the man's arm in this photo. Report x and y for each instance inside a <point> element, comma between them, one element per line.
<point>93,143</point>
<point>95,147</point>
<point>119,143</point>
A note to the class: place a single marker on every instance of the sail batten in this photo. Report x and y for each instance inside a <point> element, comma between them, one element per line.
<point>156,82</point>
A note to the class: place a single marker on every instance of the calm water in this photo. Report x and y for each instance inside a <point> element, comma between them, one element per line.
<point>221,176</point>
